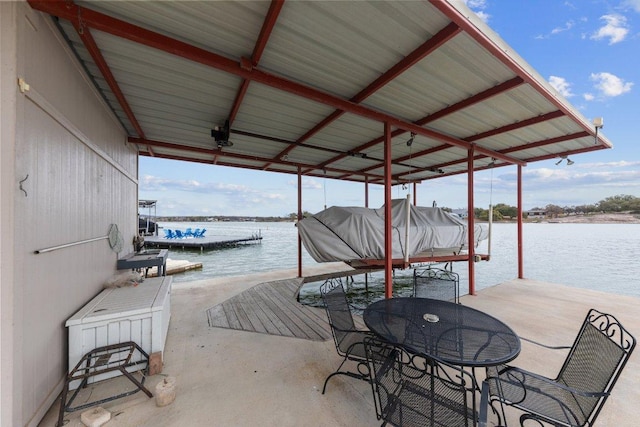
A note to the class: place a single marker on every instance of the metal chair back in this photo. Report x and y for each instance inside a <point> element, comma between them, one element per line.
<point>348,339</point>
<point>596,359</point>
<point>436,283</point>
<point>576,396</point>
<point>411,390</point>
<point>338,313</point>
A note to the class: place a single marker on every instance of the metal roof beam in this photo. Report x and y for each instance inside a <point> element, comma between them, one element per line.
<point>515,126</point>
<point>454,14</point>
<point>593,147</point>
<point>90,44</point>
<point>493,132</point>
<point>216,153</point>
<point>529,146</point>
<point>373,179</point>
<point>502,87</point>
<point>184,50</point>
<point>486,94</point>
<point>263,38</point>
<point>426,48</point>
<point>538,158</point>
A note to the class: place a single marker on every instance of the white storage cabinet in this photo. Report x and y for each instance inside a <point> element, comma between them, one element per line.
<point>140,314</point>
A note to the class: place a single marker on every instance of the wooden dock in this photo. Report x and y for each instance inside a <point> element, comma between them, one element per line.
<point>200,243</point>
<point>175,266</point>
<point>271,308</point>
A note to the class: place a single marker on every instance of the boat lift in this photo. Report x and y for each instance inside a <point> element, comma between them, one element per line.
<point>147,226</point>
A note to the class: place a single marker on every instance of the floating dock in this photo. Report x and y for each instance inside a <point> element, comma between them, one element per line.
<point>201,243</point>
<point>175,266</point>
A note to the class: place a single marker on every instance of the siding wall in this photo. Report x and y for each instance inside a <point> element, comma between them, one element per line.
<point>82,178</point>
<point>8,50</point>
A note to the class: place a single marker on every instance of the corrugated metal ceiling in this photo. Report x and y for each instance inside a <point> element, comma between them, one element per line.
<point>278,70</point>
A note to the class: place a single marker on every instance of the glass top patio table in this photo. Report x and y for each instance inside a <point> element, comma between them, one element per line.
<point>450,332</point>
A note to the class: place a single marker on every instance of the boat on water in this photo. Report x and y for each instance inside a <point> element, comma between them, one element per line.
<point>352,234</point>
<point>146,227</point>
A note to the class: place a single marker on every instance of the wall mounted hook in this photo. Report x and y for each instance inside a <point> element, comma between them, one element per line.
<point>23,190</point>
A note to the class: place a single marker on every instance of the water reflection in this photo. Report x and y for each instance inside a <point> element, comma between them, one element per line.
<point>362,289</point>
<point>592,256</point>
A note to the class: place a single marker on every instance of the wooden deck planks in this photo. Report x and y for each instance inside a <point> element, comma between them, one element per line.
<point>271,308</point>
<point>312,322</point>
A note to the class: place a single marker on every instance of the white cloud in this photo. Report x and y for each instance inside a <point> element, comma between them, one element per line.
<point>483,16</point>
<point>588,97</point>
<point>307,183</point>
<point>615,29</point>
<point>561,85</point>
<point>581,183</point>
<point>567,26</point>
<point>631,4</point>
<point>311,184</point>
<point>590,175</point>
<point>619,164</point>
<point>478,6</point>
<point>230,194</point>
<point>610,85</point>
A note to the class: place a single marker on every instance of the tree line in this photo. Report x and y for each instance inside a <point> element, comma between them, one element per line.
<point>619,203</point>
<point>612,204</point>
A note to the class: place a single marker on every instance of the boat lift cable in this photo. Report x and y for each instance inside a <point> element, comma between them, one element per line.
<point>490,211</point>
<point>406,229</point>
<point>408,204</point>
<point>324,186</point>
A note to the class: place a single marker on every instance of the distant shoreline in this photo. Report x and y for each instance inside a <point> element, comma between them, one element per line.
<point>608,218</point>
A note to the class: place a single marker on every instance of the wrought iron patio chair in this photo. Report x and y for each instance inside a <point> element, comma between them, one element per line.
<point>414,391</point>
<point>576,396</point>
<point>347,338</point>
<point>436,283</point>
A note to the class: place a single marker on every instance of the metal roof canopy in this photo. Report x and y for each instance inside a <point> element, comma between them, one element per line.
<point>382,92</point>
<point>308,86</point>
<point>147,203</point>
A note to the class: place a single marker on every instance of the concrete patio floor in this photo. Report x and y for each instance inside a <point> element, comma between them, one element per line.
<point>226,377</point>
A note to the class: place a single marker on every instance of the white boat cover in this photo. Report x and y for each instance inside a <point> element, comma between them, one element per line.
<point>353,233</point>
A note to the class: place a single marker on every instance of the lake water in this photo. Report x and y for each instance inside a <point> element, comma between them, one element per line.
<point>603,257</point>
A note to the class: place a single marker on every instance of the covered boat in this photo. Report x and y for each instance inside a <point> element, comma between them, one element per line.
<point>357,233</point>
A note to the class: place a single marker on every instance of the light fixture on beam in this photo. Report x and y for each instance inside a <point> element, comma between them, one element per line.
<point>356,154</point>
<point>410,140</point>
<point>221,135</point>
<point>562,158</point>
<point>598,123</point>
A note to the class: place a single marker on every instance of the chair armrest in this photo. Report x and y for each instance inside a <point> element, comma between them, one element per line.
<point>552,382</point>
<point>364,331</point>
<point>552,347</point>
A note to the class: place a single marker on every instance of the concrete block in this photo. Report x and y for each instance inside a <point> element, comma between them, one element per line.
<point>95,417</point>
<point>155,363</point>
<point>165,391</point>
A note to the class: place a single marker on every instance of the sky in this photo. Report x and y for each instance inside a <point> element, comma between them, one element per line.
<point>589,50</point>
